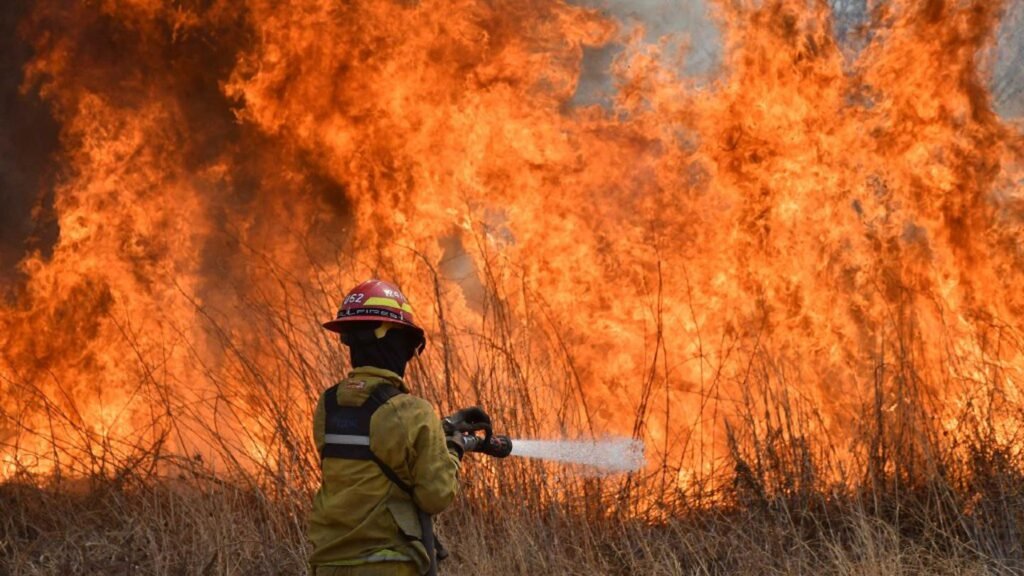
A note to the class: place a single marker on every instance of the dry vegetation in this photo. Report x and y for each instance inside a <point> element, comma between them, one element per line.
<point>913,498</point>
<point>136,526</point>
<point>909,496</point>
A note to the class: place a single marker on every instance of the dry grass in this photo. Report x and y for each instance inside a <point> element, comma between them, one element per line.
<point>201,527</point>
<point>517,517</point>
<point>163,528</point>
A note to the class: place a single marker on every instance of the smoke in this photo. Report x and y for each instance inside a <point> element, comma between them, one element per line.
<point>189,150</point>
<point>1008,74</point>
<point>692,42</point>
<point>28,141</point>
<point>690,34</point>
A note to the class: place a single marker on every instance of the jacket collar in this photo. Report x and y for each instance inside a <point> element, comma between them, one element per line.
<point>374,375</point>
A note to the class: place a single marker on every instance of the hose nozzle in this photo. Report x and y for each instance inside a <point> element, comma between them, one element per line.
<point>469,422</point>
<point>497,445</point>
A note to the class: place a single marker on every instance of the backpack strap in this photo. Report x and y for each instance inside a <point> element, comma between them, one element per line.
<point>347,430</point>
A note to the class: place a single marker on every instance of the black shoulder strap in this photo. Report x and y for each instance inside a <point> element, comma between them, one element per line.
<point>391,474</point>
<point>379,397</point>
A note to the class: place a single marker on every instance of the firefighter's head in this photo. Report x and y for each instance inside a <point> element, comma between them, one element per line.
<point>376,322</point>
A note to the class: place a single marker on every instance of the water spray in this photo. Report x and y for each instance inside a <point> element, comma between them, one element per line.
<point>606,455</point>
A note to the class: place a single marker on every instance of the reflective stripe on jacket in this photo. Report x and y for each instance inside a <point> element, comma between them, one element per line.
<point>359,515</point>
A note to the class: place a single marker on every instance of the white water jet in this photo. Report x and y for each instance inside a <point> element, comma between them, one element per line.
<point>609,454</point>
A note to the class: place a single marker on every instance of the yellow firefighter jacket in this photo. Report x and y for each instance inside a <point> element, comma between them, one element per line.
<point>360,516</point>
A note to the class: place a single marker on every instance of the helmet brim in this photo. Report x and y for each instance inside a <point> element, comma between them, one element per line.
<point>338,324</point>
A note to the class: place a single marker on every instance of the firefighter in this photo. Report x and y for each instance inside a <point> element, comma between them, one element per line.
<point>386,463</point>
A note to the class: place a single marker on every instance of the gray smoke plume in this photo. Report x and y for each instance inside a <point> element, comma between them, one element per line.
<point>28,141</point>
<point>1008,74</point>
<point>691,21</point>
<point>678,22</point>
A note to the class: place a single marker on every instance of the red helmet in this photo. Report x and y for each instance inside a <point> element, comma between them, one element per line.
<point>374,301</point>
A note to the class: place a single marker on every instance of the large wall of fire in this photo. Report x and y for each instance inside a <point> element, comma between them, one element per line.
<point>829,212</point>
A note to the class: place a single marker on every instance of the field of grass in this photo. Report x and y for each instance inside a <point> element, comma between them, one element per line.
<point>765,514</point>
<point>133,526</point>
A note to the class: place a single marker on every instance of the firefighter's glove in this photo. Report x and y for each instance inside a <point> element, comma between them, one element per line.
<point>467,420</point>
<point>460,443</point>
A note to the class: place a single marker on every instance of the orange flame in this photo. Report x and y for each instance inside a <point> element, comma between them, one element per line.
<point>829,222</point>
